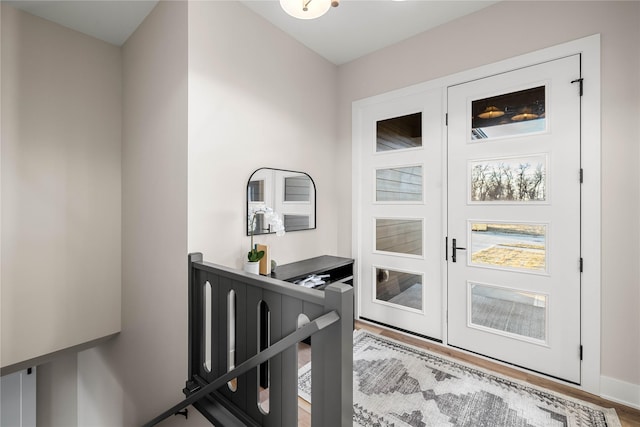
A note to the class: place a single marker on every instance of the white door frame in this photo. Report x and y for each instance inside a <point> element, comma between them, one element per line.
<point>589,47</point>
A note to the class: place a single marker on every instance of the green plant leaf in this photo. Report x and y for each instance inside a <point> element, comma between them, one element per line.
<point>254,255</point>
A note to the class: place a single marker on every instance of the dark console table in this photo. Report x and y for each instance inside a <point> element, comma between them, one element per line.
<point>339,269</point>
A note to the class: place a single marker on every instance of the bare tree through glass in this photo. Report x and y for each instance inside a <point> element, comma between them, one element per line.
<point>516,180</point>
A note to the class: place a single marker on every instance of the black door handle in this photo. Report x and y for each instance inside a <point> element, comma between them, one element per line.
<point>454,248</point>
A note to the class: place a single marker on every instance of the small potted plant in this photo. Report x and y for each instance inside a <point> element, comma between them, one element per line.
<point>275,224</point>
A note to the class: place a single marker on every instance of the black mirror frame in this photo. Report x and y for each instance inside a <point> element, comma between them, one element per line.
<point>315,194</point>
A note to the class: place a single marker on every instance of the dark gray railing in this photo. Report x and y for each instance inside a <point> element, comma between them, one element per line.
<point>331,314</point>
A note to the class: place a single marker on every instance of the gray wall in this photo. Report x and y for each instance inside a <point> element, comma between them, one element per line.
<point>140,373</point>
<point>57,390</point>
<point>257,98</point>
<point>61,137</point>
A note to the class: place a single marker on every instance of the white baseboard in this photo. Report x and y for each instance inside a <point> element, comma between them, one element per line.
<point>620,391</point>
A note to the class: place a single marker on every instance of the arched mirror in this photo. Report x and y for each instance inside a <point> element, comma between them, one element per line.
<point>289,194</point>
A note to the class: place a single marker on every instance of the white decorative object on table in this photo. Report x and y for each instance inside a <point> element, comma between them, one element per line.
<point>252,267</point>
<point>275,224</point>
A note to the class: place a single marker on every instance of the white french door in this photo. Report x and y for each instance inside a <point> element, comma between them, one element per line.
<point>514,217</point>
<point>469,232</point>
<point>400,223</point>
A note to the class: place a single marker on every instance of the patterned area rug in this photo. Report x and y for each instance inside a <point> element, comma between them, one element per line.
<point>395,384</point>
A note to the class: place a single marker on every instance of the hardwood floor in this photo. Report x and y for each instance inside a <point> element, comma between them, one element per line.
<point>629,417</point>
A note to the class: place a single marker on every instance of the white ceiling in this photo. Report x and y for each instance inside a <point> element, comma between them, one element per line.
<point>354,29</point>
<point>110,20</point>
<point>358,27</point>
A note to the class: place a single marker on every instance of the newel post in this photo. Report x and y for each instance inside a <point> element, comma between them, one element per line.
<point>332,362</point>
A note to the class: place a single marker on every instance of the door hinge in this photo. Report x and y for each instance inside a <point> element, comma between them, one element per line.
<point>581,81</point>
<point>581,264</point>
<point>580,352</point>
<point>446,119</point>
<point>581,175</point>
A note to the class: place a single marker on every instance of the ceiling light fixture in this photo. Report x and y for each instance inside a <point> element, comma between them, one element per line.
<point>491,112</point>
<point>525,114</point>
<point>307,9</point>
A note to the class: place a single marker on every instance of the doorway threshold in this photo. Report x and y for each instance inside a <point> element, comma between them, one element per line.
<point>386,325</point>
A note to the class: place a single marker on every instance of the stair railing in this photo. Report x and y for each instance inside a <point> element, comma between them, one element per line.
<point>208,387</point>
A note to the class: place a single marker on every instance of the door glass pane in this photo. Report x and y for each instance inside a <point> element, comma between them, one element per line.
<point>511,246</point>
<point>295,222</point>
<point>402,236</point>
<point>509,310</point>
<point>255,191</point>
<point>401,184</point>
<point>297,188</point>
<point>399,288</point>
<point>509,179</point>
<point>399,133</point>
<point>511,114</point>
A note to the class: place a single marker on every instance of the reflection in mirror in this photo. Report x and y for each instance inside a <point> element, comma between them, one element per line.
<point>290,194</point>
